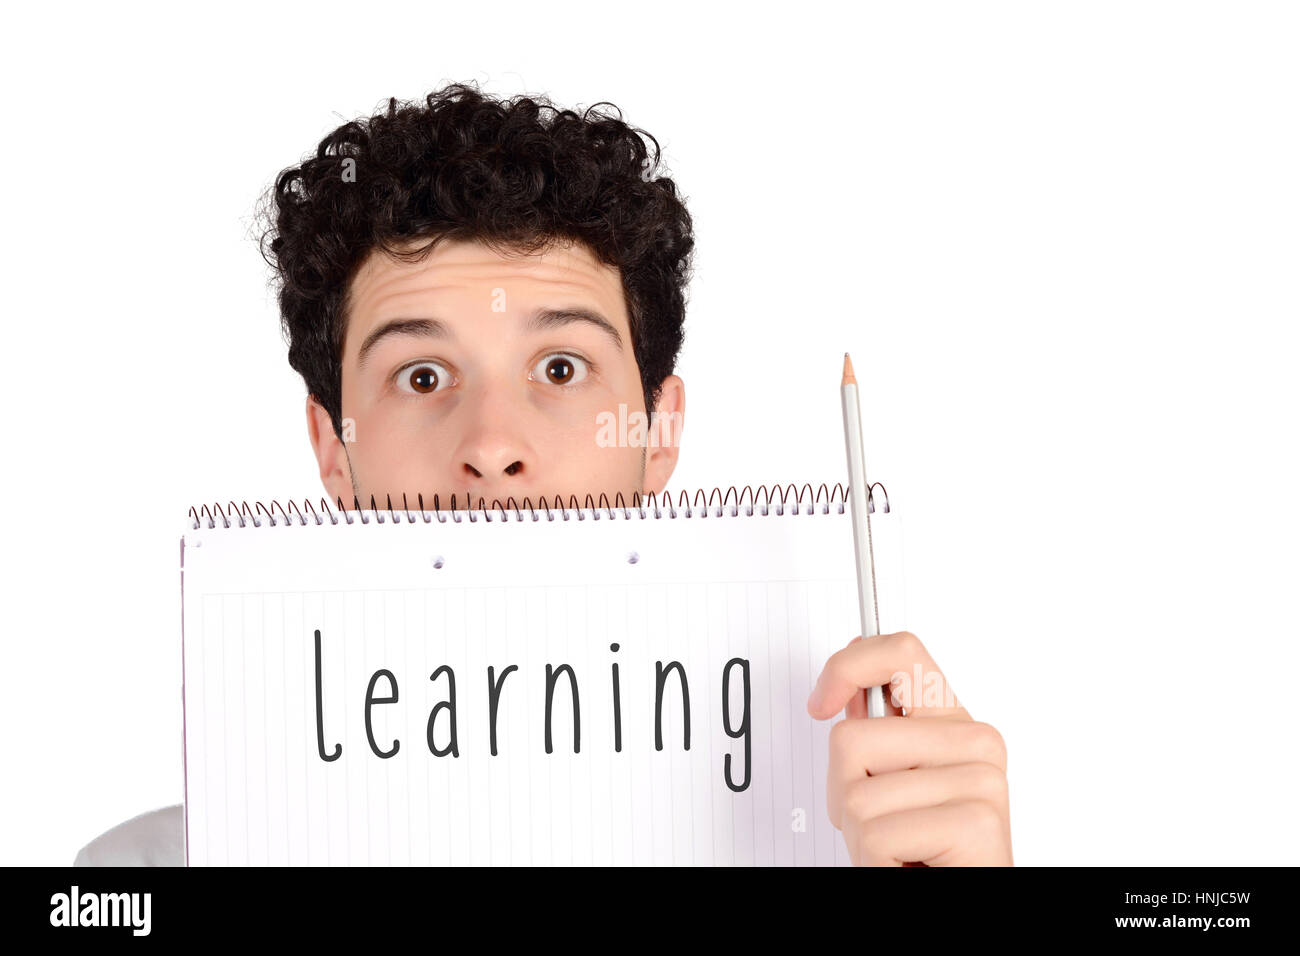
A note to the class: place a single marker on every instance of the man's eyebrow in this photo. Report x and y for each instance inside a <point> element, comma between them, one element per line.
<point>555,318</point>
<point>422,328</point>
<point>436,328</point>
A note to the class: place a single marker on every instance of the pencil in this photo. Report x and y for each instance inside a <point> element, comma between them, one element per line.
<point>868,613</point>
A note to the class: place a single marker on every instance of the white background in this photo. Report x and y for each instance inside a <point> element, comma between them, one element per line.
<point>1060,241</point>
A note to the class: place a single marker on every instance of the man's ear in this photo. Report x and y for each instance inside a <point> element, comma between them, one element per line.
<point>331,456</point>
<point>665,433</point>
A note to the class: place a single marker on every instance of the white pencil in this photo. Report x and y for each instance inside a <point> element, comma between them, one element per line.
<point>869,614</point>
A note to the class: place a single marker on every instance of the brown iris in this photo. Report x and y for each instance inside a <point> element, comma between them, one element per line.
<point>565,372</point>
<point>424,379</point>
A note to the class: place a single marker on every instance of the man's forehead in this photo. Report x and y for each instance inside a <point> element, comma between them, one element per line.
<point>467,265</point>
<point>562,277</point>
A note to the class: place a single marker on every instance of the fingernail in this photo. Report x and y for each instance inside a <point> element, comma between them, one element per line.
<point>818,695</point>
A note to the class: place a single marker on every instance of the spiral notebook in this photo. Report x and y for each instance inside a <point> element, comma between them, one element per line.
<point>554,684</point>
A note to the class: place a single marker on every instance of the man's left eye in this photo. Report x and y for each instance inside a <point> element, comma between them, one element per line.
<point>561,369</point>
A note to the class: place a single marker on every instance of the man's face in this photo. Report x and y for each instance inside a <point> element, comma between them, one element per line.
<point>482,374</point>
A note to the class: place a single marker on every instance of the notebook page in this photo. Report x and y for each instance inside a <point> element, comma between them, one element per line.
<point>433,622</point>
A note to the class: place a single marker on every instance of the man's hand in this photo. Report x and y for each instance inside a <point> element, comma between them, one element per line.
<point>927,788</point>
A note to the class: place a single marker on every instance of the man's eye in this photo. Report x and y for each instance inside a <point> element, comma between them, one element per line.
<point>423,378</point>
<point>561,369</point>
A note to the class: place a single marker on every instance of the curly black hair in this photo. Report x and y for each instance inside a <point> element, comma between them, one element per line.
<point>516,174</point>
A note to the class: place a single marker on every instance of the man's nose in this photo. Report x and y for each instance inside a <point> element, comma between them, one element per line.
<point>496,445</point>
<point>487,465</point>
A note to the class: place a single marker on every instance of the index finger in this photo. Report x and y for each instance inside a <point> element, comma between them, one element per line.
<point>900,660</point>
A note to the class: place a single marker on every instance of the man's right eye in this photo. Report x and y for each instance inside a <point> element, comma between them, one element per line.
<point>423,378</point>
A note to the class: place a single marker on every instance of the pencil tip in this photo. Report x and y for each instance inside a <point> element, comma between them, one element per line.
<point>849,378</point>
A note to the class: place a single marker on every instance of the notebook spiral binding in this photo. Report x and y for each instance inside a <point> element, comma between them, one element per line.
<point>768,499</point>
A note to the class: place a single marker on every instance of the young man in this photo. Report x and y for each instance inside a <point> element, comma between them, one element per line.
<point>467,285</point>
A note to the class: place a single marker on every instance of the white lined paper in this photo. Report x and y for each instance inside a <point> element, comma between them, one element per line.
<point>775,590</point>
